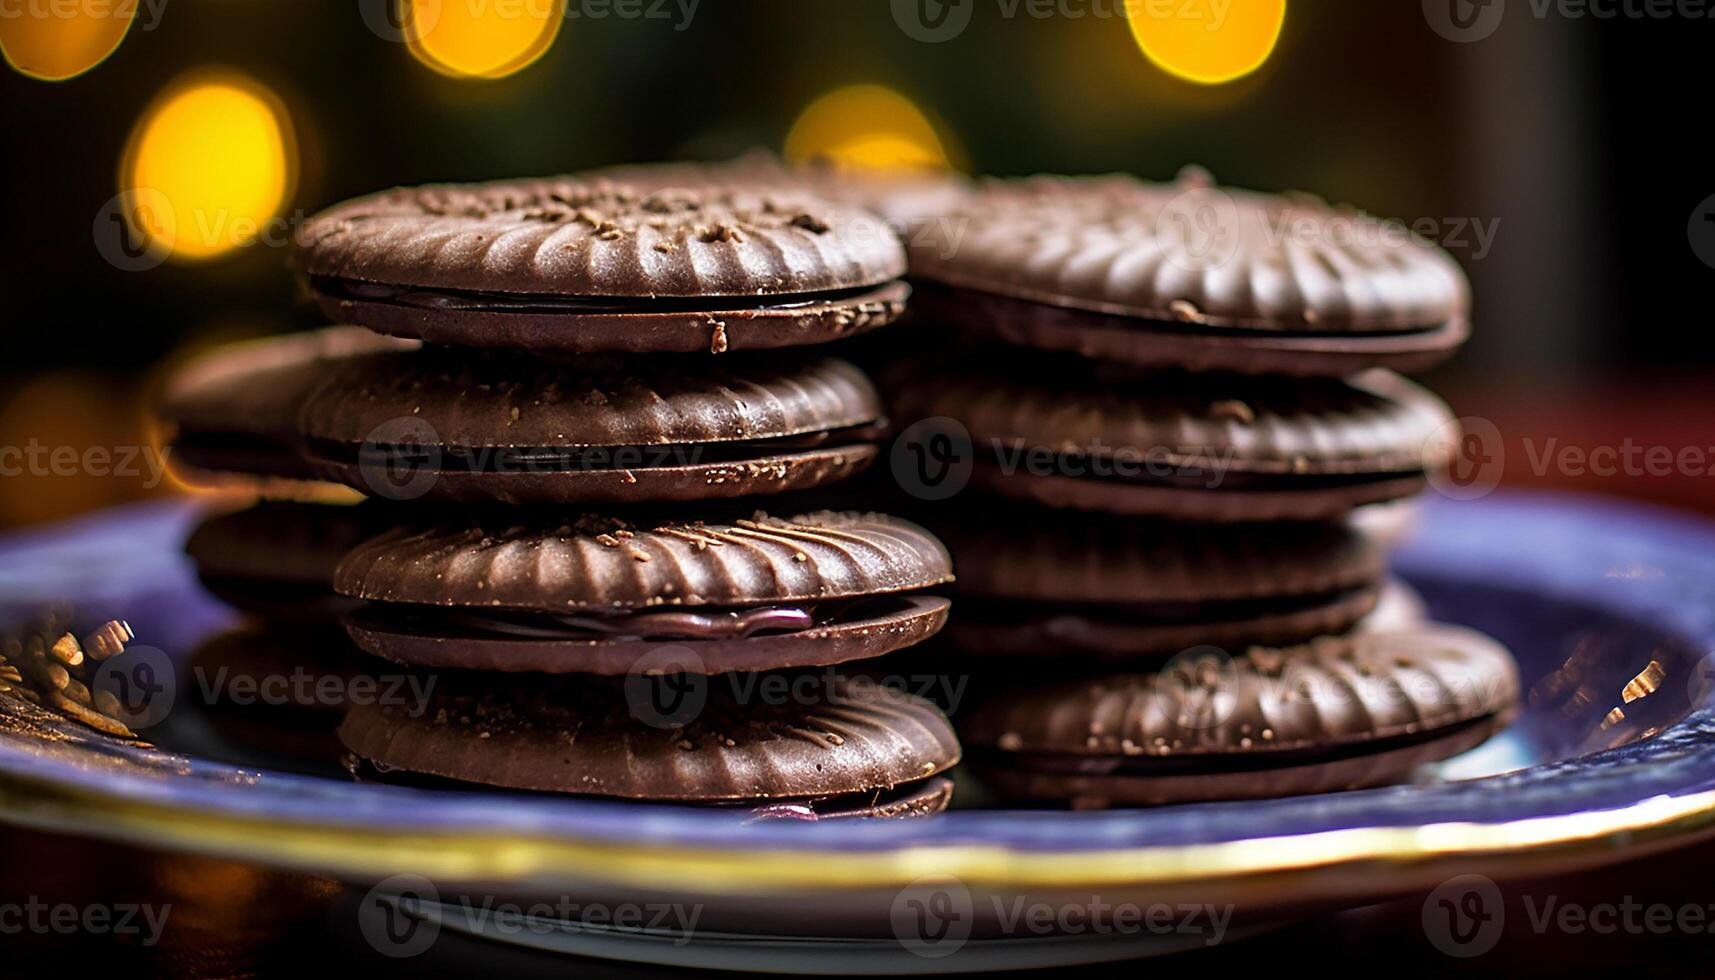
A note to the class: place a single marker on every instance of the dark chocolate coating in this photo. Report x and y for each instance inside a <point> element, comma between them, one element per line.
<point>1388,763</point>
<point>1217,447</point>
<point>276,559</point>
<point>562,236</point>
<point>1050,634</point>
<point>235,409</point>
<point>599,240</point>
<point>656,428</point>
<point>606,564</point>
<point>425,642</point>
<point>1264,712</point>
<point>715,329</point>
<point>1195,254</point>
<point>1168,344</point>
<point>582,735</point>
<point>1019,555</point>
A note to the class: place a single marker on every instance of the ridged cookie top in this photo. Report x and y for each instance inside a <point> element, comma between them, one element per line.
<point>1052,557</point>
<point>911,199</point>
<point>1194,253</point>
<point>570,237</point>
<point>584,736</point>
<point>258,386</point>
<point>1376,422</point>
<point>610,563</point>
<point>486,399</point>
<point>1331,692</point>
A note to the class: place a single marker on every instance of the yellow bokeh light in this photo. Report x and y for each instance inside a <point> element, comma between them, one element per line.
<point>480,38</point>
<point>1205,42</point>
<point>209,166</point>
<point>868,127</point>
<point>56,41</point>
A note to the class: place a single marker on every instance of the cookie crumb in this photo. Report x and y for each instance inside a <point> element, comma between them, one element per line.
<point>1233,409</point>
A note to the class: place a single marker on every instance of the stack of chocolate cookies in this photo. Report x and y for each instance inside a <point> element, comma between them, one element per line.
<point>584,387</point>
<point>1176,396</point>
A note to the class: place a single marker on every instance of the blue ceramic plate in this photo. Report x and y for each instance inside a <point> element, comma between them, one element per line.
<point>1610,608</point>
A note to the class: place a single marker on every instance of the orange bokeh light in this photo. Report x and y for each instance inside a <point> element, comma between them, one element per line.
<point>480,38</point>
<point>869,127</point>
<point>1207,42</point>
<point>56,41</point>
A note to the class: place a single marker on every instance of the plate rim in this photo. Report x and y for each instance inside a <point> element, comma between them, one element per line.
<point>31,793</point>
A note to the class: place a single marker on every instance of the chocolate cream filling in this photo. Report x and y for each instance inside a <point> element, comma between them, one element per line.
<point>419,297</point>
<point>1211,763</point>
<point>564,459</point>
<point>653,625</point>
<point>995,611</point>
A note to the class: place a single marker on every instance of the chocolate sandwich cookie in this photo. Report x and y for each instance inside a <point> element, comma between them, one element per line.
<point>846,748</point>
<point>592,265</point>
<point>1335,714</point>
<point>235,408</point>
<point>499,426</point>
<point>469,425</point>
<point>598,595</point>
<point>276,559</point>
<point>278,691</point>
<point>1061,587</point>
<point>1207,447</point>
<point>1194,276</point>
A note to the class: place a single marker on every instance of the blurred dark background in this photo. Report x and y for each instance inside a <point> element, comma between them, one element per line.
<point>1571,140</point>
